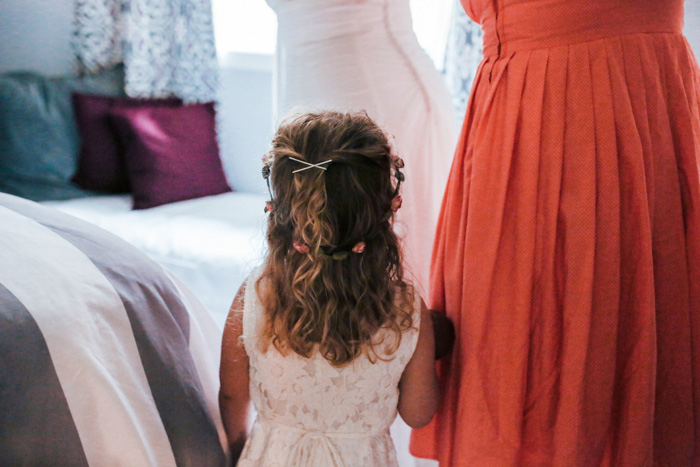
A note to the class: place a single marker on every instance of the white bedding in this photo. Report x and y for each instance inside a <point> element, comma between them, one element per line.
<point>210,243</point>
<point>105,358</point>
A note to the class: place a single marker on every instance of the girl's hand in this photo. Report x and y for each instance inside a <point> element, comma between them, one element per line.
<point>444,332</point>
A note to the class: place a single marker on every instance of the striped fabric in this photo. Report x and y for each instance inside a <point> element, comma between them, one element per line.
<point>105,359</point>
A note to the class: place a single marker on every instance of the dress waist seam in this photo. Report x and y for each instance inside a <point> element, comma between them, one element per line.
<point>518,45</point>
<point>301,431</point>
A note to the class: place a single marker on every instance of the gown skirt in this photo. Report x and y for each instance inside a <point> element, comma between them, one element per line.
<point>568,244</point>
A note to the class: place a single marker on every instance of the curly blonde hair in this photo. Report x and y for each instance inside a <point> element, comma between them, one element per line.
<point>313,301</point>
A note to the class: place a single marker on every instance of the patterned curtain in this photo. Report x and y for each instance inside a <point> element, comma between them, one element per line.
<point>167,46</point>
<point>462,57</point>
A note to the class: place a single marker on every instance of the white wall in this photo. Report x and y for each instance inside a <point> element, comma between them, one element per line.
<point>36,35</point>
<point>245,120</point>
<point>692,24</point>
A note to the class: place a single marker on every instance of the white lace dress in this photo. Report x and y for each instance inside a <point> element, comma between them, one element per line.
<point>310,413</point>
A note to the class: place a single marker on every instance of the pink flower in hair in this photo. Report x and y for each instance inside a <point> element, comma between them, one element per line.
<point>396,203</point>
<point>301,248</point>
<point>359,248</point>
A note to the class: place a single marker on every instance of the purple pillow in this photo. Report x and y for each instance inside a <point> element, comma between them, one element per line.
<point>171,153</point>
<point>101,159</point>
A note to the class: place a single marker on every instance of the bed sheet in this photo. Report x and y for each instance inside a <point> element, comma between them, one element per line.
<point>210,243</point>
<point>105,357</point>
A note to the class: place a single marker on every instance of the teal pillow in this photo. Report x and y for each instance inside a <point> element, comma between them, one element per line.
<point>39,139</point>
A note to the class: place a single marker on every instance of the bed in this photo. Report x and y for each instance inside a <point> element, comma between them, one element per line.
<point>59,145</point>
<point>210,243</point>
<point>106,357</point>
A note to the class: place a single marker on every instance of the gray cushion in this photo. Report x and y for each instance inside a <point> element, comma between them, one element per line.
<point>39,139</point>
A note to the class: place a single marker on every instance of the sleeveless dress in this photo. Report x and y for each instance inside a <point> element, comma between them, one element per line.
<point>312,414</point>
<point>568,246</point>
<point>354,55</point>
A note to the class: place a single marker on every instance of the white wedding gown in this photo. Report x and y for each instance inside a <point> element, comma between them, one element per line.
<point>363,55</point>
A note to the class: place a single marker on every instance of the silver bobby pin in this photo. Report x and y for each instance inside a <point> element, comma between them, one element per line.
<point>310,165</point>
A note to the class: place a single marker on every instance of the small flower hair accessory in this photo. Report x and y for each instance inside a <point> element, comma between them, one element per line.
<point>396,203</point>
<point>267,161</point>
<point>301,248</point>
<point>359,248</point>
<point>400,177</point>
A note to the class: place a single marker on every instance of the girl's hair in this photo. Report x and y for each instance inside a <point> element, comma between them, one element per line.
<point>313,300</point>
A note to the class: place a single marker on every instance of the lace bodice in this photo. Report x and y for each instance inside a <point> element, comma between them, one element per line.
<point>312,413</point>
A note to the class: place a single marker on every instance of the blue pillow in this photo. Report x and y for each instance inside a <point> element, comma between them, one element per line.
<point>39,139</point>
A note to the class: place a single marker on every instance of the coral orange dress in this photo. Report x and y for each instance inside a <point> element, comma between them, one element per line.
<point>568,247</point>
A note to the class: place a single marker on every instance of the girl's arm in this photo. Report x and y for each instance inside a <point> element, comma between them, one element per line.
<point>234,395</point>
<point>418,388</point>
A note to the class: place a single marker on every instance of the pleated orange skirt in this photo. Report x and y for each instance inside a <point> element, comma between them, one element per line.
<point>568,246</point>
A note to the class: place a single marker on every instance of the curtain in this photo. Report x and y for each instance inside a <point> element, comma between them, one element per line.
<point>462,57</point>
<point>167,46</point>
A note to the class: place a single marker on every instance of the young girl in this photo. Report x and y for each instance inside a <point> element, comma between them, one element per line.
<point>326,337</point>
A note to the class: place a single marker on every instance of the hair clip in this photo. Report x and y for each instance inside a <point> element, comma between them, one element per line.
<point>336,255</point>
<point>309,165</point>
<point>342,254</point>
<point>398,164</point>
<point>400,177</point>
<point>266,176</point>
